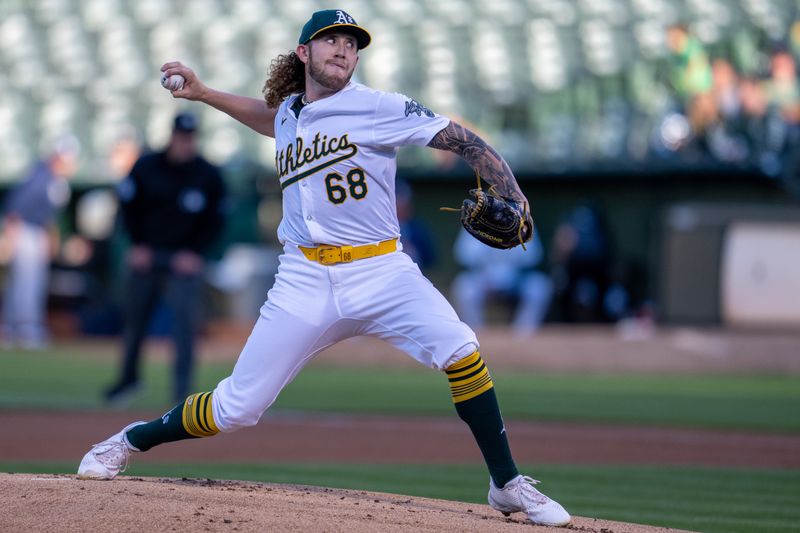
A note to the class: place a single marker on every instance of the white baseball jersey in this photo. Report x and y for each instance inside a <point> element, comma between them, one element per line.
<point>337,162</point>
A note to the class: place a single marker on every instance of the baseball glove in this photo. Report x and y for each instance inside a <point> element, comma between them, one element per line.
<point>494,220</point>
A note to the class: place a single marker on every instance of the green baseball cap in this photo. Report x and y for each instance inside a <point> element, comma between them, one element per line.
<point>334,19</point>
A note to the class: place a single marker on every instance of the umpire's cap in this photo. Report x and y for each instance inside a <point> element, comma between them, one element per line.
<point>185,122</point>
<point>334,19</point>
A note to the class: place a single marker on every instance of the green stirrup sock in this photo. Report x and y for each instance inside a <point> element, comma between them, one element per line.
<point>476,404</point>
<point>188,420</point>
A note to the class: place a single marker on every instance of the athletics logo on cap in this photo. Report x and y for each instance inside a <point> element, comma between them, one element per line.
<point>334,19</point>
<point>343,18</point>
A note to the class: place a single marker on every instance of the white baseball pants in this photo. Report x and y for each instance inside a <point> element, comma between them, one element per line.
<point>312,306</point>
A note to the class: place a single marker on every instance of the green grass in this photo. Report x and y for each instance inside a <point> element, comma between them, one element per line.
<point>700,499</point>
<point>752,402</point>
<point>66,379</point>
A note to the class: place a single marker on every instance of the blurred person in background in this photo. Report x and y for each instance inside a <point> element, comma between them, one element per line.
<point>95,221</point>
<point>586,289</point>
<point>754,109</point>
<point>782,121</point>
<point>691,77</point>
<point>172,208</point>
<point>794,38</point>
<point>124,154</point>
<point>415,236</point>
<point>501,273</point>
<point>727,140</point>
<point>782,89</point>
<point>28,238</point>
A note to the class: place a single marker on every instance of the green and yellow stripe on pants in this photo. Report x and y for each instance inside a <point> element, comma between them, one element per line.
<point>198,418</point>
<point>468,378</point>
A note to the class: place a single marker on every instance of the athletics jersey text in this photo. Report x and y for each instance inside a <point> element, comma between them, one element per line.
<point>297,155</point>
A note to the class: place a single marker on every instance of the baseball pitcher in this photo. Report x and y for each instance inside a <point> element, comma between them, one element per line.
<point>342,272</point>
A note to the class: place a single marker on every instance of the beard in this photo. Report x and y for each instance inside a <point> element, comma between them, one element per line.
<point>318,74</point>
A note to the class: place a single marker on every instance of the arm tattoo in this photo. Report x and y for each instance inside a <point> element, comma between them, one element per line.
<point>484,159</point>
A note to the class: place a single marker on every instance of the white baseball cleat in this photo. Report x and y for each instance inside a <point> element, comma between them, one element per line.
<point>108,458</point>
<point>519,495</point>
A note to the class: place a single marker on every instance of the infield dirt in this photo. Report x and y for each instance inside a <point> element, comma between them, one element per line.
<point>67,504</point>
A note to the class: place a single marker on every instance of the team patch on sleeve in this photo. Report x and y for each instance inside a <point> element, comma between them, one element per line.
<point>414,107</point>
<point>468,378</point>
<point>198,418</point>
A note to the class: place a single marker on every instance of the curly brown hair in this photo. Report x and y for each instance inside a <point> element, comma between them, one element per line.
<point>286,76</point>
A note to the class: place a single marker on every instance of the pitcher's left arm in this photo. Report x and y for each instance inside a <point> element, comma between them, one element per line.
<point>484,159</point>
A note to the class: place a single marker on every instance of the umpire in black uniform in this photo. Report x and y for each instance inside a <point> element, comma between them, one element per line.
<point>172,207</point>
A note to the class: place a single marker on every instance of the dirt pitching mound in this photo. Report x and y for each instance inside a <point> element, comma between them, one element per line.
<point>65,504</point>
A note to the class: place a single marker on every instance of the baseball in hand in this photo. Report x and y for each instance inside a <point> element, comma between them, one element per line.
<point>172,83</point>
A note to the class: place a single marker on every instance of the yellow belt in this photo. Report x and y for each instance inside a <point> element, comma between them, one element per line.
<point>330,255</point>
